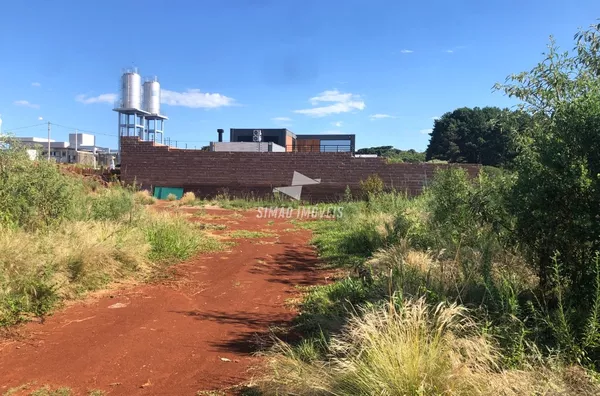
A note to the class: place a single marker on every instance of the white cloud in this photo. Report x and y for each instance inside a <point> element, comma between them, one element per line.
<point>425,131</point>
<point>104,98</point>
<point>407,51</point>
<point>449,51</point>
<point>380,116</point>
<point>40,118</point>
<point>342,103</point>
<point>25,103</point>
<point>195,99</point>
<point>337,124</point>
<point>36,84</point>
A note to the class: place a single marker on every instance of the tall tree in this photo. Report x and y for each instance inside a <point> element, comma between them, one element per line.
<point>476,135</point>
<point>556,196</point>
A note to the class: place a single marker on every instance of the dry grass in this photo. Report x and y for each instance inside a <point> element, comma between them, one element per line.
<point>144,197</point>
<point>188,198</point>
<point>40,269</point>
<point>413,350</point>
<point>171,197</point>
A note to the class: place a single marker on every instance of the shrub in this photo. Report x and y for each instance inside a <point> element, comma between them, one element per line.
<point>171,197</point>
<point>373,185</point>
<point>34,194</point>
<point>188,198</point>
<point>348,195</point>
<point>144,197</point>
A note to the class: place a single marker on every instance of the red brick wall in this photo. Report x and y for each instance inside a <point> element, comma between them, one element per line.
<point>208,173</point>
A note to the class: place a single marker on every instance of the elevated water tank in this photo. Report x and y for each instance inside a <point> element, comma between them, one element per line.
<point>131,90</point>
<point>152,95</point>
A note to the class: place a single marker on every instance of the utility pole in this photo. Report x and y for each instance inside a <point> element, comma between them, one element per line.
<point>76,142</point>
<point>48,141</point>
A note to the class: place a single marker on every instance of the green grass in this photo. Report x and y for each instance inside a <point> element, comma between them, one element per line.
<point>13,390</point>
<point>245,234</point>
<point>252,202</point>
<point>48,391</point>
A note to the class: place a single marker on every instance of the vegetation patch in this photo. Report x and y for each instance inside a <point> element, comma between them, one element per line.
<point>77,239</point>
<point>246,234</point>
<point>485,285</point>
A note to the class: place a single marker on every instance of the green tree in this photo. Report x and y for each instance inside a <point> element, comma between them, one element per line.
<point>397,155</point>
<point>476,135</point>
<point>556,196</point>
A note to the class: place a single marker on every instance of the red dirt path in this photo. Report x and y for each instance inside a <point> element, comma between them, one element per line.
<point>170,337</point>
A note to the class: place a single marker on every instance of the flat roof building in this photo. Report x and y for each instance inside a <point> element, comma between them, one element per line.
<point>295,143</point>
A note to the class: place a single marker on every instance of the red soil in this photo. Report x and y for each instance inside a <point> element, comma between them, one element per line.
<point>195,332</point>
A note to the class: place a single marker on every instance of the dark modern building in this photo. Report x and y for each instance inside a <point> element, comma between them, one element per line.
<point>293,142</point>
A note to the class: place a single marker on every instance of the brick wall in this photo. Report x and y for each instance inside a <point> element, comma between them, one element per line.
<point>209,173</point>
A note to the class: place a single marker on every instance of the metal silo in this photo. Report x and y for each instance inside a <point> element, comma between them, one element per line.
<point>152,95</point>
<point>131,90</point>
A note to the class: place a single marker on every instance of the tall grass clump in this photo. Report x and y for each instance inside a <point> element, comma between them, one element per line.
<point>172,239</point>
<point>143,197</point>
<point>38,270</point>
<point>410,348</point>
<point>188,198</point>
<point>111,204</point>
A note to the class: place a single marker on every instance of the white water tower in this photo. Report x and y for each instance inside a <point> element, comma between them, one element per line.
<point>139,110</point>
<point>152,95</point>
<point>131,90</point>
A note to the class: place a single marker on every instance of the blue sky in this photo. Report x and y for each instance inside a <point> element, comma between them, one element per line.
<point>380,69</point>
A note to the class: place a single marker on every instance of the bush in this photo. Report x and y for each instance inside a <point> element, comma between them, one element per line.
<point>171,197</point>
<point>144,197</point>
<point>188,198</point>
<point>34,194</point>
<point>373,185</point>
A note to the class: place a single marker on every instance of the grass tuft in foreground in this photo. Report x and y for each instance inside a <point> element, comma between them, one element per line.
<point>411,348</point>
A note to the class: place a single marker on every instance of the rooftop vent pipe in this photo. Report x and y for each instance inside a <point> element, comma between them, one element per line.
<point>220,132</point>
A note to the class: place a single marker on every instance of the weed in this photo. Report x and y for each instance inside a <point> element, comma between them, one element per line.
<point>48,391</point>
<point>210,226</point>
<point>245,234</point>
<point>171,238</point>
<point>373,185</point>
<point>189,198</point>
<point>144,197</point>
<point>171,197</point>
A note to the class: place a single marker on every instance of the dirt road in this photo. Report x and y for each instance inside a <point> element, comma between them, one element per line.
<point>192,333</point>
